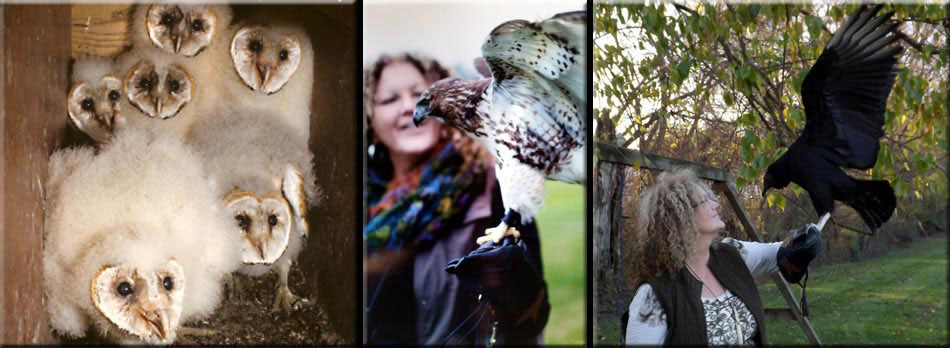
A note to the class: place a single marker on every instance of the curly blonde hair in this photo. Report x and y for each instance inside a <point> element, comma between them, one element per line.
<point>665,234</point>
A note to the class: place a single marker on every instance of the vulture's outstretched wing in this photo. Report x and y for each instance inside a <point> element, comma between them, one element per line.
<point>846,91</point>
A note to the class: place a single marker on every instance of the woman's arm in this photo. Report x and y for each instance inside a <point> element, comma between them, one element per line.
<point>759,257</point>
<point>647,323</point>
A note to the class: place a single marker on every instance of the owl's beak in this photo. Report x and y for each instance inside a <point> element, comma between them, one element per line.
<point>260,246</point>
<point>156,322</point>
<point>264,71</point>
<point>177,44</point>
<point>107,119</point>
<point>419,115</point>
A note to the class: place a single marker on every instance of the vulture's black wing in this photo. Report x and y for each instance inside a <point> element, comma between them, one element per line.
<point>845,92</point>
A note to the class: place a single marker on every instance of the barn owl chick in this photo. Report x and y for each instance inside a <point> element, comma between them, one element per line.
<point>128,231</point>
<point>94,101</point>
<point>171,87</point>
<point>158,90</point>
<point>271,70</point>
<point>183,29</point>
<point>265,172</point>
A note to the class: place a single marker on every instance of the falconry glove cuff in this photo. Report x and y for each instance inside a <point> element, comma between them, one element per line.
<point>506,275</point>
<point>800,247</point>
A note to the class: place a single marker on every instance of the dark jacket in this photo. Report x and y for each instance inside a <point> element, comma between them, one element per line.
<point>420,303</point>
<point>680,295</point>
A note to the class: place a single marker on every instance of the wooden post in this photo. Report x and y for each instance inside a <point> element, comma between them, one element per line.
<point>35,83</point>
<point>332,247</point>
<point>723,182</point>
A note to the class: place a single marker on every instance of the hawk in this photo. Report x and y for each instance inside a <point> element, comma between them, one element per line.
<point>530,113</point>
<point>845,94</point>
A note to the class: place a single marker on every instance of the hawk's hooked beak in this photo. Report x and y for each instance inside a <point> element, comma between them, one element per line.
<point>420,114</point>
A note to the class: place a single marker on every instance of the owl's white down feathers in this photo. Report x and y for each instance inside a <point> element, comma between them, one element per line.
<point>249,150</point>
<point>291,104</point>
<point>141,200</point>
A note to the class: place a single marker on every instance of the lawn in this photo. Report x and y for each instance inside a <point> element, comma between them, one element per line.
<point>562,229</point>
<point>895,299</point>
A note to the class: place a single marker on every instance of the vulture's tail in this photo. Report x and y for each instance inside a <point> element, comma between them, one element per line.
<point>874,200</point>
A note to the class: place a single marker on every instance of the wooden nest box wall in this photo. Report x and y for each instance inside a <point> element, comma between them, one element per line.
<point>38,42</point>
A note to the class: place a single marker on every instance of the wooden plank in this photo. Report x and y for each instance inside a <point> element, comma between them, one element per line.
<point>3,197</point>
<point>779,314</point>
<point>733,197</point>
<point>332,249</point>
<point>635,158</point>
<point>99,30</point>
<point>795,307</point>
<point>35,56</point>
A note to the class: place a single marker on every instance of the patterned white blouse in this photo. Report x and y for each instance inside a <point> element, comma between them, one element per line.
<point>728,320</point>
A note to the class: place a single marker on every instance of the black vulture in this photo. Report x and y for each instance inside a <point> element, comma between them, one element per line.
<point>845,94</point>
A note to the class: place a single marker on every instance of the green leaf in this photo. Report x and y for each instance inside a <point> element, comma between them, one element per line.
<point>727,98</point>
<point>776,199</point>
<point>814,26</point>
<point>683,67</point>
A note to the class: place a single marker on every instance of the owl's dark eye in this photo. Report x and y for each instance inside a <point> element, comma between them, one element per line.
<point>173,85</point>
<point>168,283</point>
<point>256,46</point>
<point>145,84</point>
<point>124,289</point>
<point>114,95</point>
<point>272,220</point>
<point>167,19</point>
<point>243,221</point>
<point>283,54</point>
<point>197,25</point>
<point>88,105</point>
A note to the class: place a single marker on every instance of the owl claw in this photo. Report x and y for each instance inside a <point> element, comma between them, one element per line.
<point>287,302</point>
<point>234,287</point>
<point>497,234</point>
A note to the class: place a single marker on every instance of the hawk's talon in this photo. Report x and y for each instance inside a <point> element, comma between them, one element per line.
<point>496,235</point>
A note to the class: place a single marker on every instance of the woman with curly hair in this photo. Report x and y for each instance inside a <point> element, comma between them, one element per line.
<point>693,288</point>
<point>430,192</point>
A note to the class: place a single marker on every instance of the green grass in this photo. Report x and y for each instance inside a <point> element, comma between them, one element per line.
<point>561,225</point>
<point>898,299</point>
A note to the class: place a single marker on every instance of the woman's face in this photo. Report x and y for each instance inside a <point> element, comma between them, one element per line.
<point>706,215</point>
<point>399,87</point>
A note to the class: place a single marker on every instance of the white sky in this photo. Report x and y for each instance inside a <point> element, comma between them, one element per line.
<point>450,31</point>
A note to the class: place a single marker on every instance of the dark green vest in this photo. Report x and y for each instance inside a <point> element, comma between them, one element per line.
<point>680,293</point>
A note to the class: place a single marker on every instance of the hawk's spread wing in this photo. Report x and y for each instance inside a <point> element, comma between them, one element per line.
<point>538,92</point>
<point>846,90</point>
<point>554,49</point>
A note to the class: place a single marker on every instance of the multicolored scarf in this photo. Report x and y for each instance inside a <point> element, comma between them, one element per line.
<point>417,210</point>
